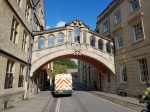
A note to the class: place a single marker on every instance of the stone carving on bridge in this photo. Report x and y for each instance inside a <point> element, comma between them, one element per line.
<point>77,47</point>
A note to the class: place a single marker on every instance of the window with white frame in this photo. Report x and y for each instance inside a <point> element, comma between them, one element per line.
<point>84,37</point>
<point>50,41</point>
<point>14,31</point>
<point>106,26</point>
<point>117,17</point>
<point>41,43</point>
<point>123,74</point>
<point>24,41</point>
<point>69,37</point>
<point>27,11</point>
<point>134,5</point>
<point>9,75</point>
<point>138,32</point>
<point>18,2</point>
<point>60,39</point>
<point>21,76</point>
<point>143,70</point>
<point>92,41</point>
<point>119,41</point>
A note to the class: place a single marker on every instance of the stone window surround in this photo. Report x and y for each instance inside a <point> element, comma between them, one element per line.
<point>115,17</point>
<point>25,41</point>
<point>132,3</point>
<point>9,74</point>
<point>146,69</point>
<point>123,78</point>
<point>21,76</point>
<point>15,31</point>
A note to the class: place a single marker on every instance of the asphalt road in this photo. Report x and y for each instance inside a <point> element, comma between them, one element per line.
<point>81,101</point>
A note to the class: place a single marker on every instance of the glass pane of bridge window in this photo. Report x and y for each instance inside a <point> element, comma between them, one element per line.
<point>41,43</point>
<point>50,41</point>
<point>100,45</point>
<point>69,37</point>
<point>108,48</point>
<point>60,39</point>
<point>77,35</point>
<point>84,37</point>
<point>92,41</point>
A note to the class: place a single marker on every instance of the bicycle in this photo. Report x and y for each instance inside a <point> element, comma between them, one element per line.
<point>148,105</point>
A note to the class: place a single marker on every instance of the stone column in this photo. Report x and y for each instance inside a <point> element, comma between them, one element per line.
<point>96,42</point>
<point>104,45</point>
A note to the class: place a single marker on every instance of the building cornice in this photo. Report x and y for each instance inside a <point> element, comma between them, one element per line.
<point>135,17</point>
<point>108,10</point>
<point>49,31</point>
<point>14,57</point>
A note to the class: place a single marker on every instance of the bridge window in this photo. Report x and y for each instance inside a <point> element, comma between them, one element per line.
<point>108,48</point>
<point>77,35</point>
<point>60,39</point>
<point>69,37</point>
<point>92,41</point>
<point>41,43</point>
<point>100,45</point>
<point>84,37</point>
<point>50,41</point>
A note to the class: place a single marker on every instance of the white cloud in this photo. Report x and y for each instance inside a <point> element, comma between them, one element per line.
<point>60,24</point>
<point>47,27</point>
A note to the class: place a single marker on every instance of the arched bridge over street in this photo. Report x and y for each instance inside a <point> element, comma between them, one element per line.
<point>74,40</point>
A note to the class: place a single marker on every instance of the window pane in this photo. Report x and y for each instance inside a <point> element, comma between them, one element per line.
<point>77,35</point>
<point>84,37</point>
<point>69,37</point>
<point>60,39</point>
<point>50,41</point>
<point>41,43</point>
<point>143,70</point>
<point>100,45</point>
<point>92,41</point>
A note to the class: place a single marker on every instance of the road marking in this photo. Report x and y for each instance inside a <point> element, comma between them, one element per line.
<point>110,102</point>
<point>57,105</point>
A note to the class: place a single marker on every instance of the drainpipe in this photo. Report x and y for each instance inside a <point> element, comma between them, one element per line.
<point>29,56</point>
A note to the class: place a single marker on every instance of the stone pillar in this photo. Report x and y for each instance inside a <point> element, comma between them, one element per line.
<point>104,45</point>
<point>96,42</point>
<point>56,40</point>
<point>66,37</point>
<point>46,43</point>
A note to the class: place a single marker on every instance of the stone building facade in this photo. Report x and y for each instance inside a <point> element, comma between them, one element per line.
<point>127,23</point>
<point>16,26</point>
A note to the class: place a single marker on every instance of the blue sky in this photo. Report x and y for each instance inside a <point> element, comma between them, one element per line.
<point>59,12</point>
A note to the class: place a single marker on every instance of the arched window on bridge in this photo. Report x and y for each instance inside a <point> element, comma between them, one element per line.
<point>60,39</point>
<point>100,44</point>
<point>84,37</point>
<point>77,35</point>
<point>92,41</point>
<point>41,42</point>
<point>69,37</point>
<point>50,41</point>
<point>108,47</point>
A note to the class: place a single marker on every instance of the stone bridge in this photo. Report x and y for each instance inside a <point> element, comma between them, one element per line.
<point>74,40</point>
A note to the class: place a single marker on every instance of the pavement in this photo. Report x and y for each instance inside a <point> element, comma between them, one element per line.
<point>35,103</point>
<point>38,103</point>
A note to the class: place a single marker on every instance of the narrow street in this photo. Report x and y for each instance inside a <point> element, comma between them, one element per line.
<point>81,101</point>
